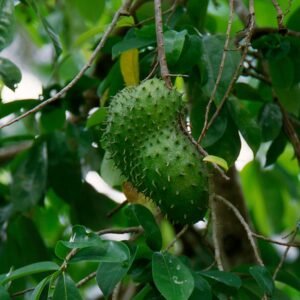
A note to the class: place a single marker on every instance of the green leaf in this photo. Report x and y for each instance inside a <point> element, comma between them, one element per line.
<point>270,121</point>
<point>6,23</point>
<point>202,289</point>
<point>48,28</point>
<point>110,251</point>
<point>174,42</point>
<point>109,274</point>
<point>53,119</point>
<point>66,289</point>
<point>9,73</point>
<point>226,278</point>
<point>141,215</point>
<point>212,51</point>
<point>217,160</point>
<point>93,15</point>
<point>80,239</point>
<point>29,179</point>
<point>276,148</point>
<point>171,277</point>
<point>246,123</point>
<point>228,146</point>
<point>289,279</point>
<point>15,106</point>
<point>246,92</point>
<point>4,295</point>
<point>97,117</point>
<point>135,39</point>
<point>40,288</point>
<point>263,279</point>
<point>45,266</point>
<point>282,72</point>
<point>125,21</point>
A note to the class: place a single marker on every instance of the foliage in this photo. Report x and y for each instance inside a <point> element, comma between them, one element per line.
<point>53,242</point>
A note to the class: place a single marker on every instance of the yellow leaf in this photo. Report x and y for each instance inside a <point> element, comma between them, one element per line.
<point>129,62</point>
<point>217,160</point>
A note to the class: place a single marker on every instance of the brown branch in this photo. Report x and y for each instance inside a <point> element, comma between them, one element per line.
<point>220,73</point>
<point>242,11</point>
<point>86,279</point>
<point>200,149</point>
<point>178,235</point>
<point>244,224</point>
<point>290,131</point>
<point>261,237</point>
<point>284,255</point>
<point>214,219</point>
<point>280,14</point>
<point>160,44</point>
<point>249,32</point>
<point>123,9</point>
<point>21,293</point>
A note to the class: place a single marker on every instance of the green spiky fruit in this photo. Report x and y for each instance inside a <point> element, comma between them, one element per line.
<point>147,144</point>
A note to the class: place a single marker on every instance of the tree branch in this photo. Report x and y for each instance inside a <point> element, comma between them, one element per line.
<point>220,72</point>
<point>123,9</point>
<point>160,44</point>
<point>236,74</point>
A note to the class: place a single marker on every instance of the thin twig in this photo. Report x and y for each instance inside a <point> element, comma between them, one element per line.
<point>290,130</point>
<point>62,92</point>
<point>237,71</point>
<point>261,237</point>
<point>220,72</point>
<point>86,279</point>
<point>280,14</point>
<point>216,241</point>
<point>116,209</point>
<point>160,44</point>
<point>178,235</point>
<point>200,149</point>
<point>21,293</point>
<point>244,224</point>
<point>284,255</point>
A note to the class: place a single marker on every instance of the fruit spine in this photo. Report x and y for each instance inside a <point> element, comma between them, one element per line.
<point>147,144</point>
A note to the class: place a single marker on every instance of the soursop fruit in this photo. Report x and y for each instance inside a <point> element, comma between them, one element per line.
<point>147,144</point>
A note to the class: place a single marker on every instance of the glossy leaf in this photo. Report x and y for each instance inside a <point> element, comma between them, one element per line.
<point>270,121</point>
<point>212,47</point>
<point>202,289</point>
<point>171,277</point>
<point>6,23</point>
<point>227,278</point>
<point>246,123</point>
<point>174,42</point>
<point>39,289</point>
<point>276,148</point>
<point>66,289</point>
<point>46,266</point>
<point>144,217</point>
<point>263,279</point>
<point>110,251</point>
<point>109,274</point>
<point>9,73</point>
<point>129,63</point>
